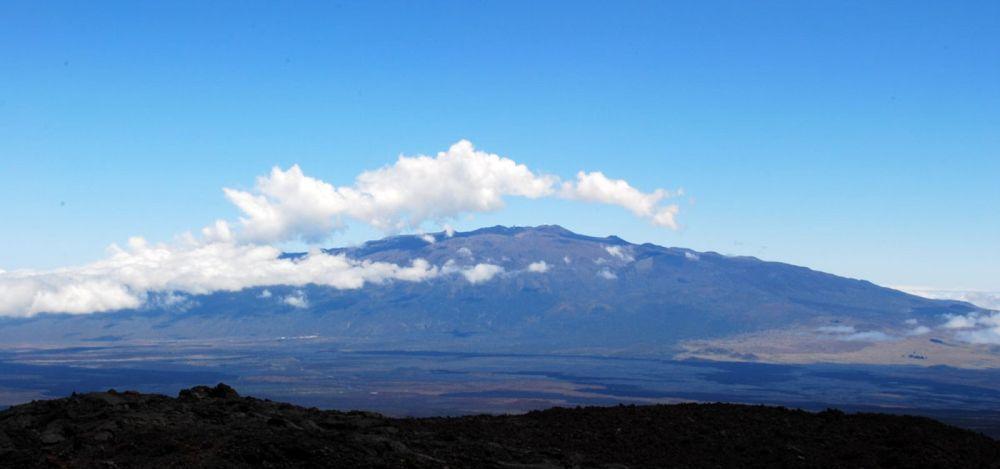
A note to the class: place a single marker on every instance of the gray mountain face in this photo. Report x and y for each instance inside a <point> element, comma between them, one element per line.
<point>593,294</point>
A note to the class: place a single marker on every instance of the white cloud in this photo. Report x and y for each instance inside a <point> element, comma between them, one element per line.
<point>918,330</point>
<point>265,294</point>
<point>539,267</point>
<point>961,322</point>
<point>596,187</point>
<point>836,329</point>
<point>567,260</point>
<point>478,273</point>
<point>607,274</point>
<point>429,238</point>
<point>619,252</point>
<point>867,336</point>
<point>217,232</point>
<point>296,300</point>
<point>464,251</point>
<point>987,336</point>
<point>448,230</point>
<point>851,334</point>
<point>287,204</point>
<point>481,273</point>
<point>980,298</point>
<point>975,328</point>
<point>127,277</point>
<point>691,256</point>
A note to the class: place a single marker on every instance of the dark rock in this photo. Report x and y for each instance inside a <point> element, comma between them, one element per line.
<point>220,391</point>
<point>215,427</point>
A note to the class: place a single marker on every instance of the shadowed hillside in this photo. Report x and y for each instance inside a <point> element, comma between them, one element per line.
<point>215,427</point>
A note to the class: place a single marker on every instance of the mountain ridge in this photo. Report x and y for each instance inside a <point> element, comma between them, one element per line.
<point>584,294</point>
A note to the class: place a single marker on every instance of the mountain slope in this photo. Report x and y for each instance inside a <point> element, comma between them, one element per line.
<point>594,294</point>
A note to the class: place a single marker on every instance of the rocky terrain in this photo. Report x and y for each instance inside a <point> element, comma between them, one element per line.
<point>215,427</point>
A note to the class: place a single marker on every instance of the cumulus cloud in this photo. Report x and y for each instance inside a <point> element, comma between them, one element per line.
<point>264,294</point>
<point>287,204</point>
<point>296,300</point>
<point>428,238</point>
<point>539,267</point>
<point>607,274</point>
<point>691,256</point>
<point>619,252</point>
<point>478,273</point>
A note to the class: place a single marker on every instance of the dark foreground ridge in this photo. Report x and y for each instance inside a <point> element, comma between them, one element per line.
<point>215,427</point>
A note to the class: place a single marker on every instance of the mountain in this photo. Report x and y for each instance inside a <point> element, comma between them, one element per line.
<point>591,294</point>
<point>215,427</point>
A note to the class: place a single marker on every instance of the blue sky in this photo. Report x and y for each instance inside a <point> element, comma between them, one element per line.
<point>852,137</point>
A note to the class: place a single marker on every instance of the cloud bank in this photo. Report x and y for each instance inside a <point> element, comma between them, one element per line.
<point>980,298</point>
<point>129,275</point>
<point>974,328</point>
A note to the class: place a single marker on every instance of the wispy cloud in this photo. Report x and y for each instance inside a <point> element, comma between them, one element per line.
<point>976,328</point>
<point>851,334</point>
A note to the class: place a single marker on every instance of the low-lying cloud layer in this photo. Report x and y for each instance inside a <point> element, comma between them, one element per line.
<point>289,205</point>
<point>982,299</point>
<point>130,276</point>
<point>127,277</point>
<point>976,328</point>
